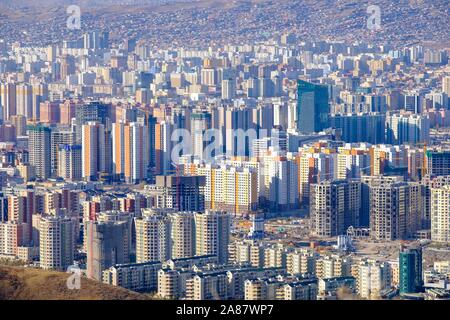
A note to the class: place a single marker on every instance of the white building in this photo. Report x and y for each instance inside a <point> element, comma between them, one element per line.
<point>440,214</point>
<point>56,244</point>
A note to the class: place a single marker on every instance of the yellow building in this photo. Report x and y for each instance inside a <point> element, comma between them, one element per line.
<point>228,188</point>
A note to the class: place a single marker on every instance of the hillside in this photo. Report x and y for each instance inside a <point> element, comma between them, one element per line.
<point>35,284</point>
<point>204,22</point>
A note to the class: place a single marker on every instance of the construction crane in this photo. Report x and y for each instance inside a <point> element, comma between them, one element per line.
<point>424,162</point>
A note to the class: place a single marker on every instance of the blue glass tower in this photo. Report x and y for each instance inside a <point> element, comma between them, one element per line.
<point>312,107</point>
<point>410,263</point>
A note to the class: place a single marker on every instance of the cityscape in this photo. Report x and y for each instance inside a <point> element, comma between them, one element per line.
<point>249,150</point>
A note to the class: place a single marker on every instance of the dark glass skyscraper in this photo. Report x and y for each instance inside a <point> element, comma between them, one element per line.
<point>410,263</point>
<point>88,112</point>
<point>312,107</point>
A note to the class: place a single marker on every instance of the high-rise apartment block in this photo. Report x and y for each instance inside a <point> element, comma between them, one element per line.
<point>130,143</point>
<point>40,150</point>
<point>404,128</point>
<point>182,228</point>
<point>438,162</point>
<point>152,238</point>
<point>108,243</point>
<point>94,153</point>
<point>440,214</point>
<point>212,232</point>
<point>70,162</point>
<point>395,208</point>
<point>57,242</point>
<point>180,193</point>
<point>334,206</point>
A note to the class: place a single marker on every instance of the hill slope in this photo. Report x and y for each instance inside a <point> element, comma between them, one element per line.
<point>202,22</point>
<point>35,284</point>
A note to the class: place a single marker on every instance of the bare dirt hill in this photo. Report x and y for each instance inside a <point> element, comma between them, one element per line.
<point>35,284</point>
